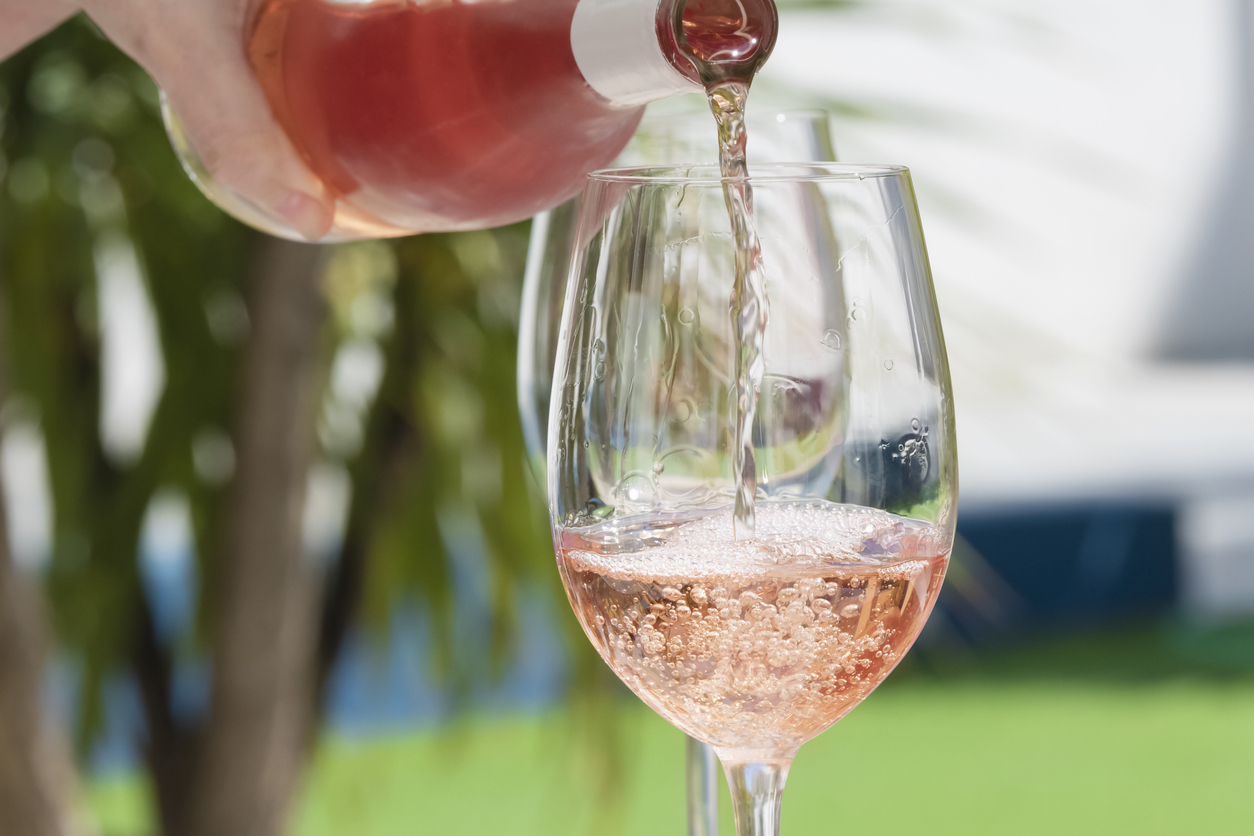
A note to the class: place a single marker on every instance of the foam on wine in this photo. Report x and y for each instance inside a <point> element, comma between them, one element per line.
<point>754,643</point>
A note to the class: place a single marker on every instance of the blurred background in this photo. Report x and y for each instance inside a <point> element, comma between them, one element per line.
<point>1085,172</point>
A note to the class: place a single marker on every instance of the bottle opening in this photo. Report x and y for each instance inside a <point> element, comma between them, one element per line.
<point>709,41</point>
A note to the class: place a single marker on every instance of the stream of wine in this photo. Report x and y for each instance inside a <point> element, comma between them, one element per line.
<point>728,42</point>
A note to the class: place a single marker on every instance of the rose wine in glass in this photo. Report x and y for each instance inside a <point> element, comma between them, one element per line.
<point>755,643</point>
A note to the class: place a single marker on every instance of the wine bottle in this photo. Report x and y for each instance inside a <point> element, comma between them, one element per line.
<point>439,115</point>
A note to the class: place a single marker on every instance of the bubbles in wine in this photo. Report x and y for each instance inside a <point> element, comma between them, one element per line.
<point>762,643</point>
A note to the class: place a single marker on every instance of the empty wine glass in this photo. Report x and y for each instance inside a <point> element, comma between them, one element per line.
<point>753,645</point>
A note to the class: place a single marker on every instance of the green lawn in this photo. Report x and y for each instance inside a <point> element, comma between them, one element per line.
<point>1106,735</point>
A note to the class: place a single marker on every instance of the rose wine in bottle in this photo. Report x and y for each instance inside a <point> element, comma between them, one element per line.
<point>426,115</point>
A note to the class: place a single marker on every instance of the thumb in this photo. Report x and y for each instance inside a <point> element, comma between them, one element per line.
<point>230,127</point>
<point>195,51</point>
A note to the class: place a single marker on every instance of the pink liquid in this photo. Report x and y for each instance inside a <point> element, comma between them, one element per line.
<point>455,115</point>
<point>755,644</point>
<point>437,115</point>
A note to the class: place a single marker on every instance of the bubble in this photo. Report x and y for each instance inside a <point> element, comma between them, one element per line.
<point>636,489</point>
<point>888,365</point>
<point>831,339</point>
<point>683,411</point>
<point>850,610</point>
<point>658,467</point>
<point>670,593</point>
<point>599,372</point>
<point>914,424</point>
<point>698,595</point>
<point>686,316</point>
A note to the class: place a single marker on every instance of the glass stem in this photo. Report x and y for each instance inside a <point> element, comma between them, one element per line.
<point>757,788</point>
<point>702,789</point>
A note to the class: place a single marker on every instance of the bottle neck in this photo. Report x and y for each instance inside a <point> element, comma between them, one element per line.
<point>619,49</point>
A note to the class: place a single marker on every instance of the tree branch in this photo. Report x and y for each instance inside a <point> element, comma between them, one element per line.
<point>171,748</point>
<point>263,630</point>
<point>38,779</point>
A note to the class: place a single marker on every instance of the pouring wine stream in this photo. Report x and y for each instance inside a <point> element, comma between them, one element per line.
<point>727,42</point>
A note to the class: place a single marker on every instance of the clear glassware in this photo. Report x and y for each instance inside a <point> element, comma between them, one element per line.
<point>752,645</point>
<point>784,136</point>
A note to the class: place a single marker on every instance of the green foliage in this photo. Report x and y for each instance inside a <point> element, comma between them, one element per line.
<point>458,449</point>
<point>90,175</point>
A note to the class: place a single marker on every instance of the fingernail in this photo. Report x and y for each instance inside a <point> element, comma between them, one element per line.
<point>305,215</point>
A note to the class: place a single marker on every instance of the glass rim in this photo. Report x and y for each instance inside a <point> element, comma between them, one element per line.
<point>796,172</point>
<point>780,114</point>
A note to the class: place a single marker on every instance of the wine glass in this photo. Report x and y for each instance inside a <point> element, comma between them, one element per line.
<point>784,136</point>
<point>754,644</point>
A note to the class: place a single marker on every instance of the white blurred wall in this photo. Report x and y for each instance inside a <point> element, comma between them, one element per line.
<point>1063,151</point>
<point>1085,170</point>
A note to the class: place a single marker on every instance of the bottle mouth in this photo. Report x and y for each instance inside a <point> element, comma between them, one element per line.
<point>708,41</point>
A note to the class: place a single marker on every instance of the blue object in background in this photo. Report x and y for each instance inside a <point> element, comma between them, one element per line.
<point>1060,567</point>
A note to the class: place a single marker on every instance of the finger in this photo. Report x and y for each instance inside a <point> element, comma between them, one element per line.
<point>195,53</point>
<point>244,149</point>
<point>24,21</point>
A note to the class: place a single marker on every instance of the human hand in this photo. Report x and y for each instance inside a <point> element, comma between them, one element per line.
<point>22,21</point>
<point>194,49</point>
